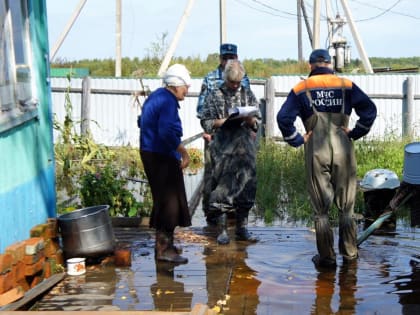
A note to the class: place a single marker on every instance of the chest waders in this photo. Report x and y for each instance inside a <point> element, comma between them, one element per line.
<point>331,177</point>
<point>234,183</point>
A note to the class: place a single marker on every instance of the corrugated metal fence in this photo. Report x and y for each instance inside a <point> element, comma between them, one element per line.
<point>110,106</point>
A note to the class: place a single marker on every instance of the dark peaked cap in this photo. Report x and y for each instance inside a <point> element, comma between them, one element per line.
<point>228,49</point>
<point>320,55</point>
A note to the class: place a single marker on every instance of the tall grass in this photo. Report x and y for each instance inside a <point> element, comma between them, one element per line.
<point>281,188</point>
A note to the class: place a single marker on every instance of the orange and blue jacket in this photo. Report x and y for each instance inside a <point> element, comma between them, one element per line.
<point>327,93</point>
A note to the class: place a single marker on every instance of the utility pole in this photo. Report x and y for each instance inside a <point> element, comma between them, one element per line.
<point>360,47</point>
<point>308,26</point>
<point>299,26</point>
<point>174,42</point>
<point>316,27</point>
<point>337,42</point>
<point>118,38</point>
<point>222,9</point>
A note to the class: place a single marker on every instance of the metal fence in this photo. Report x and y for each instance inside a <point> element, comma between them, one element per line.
<point>109,106</point>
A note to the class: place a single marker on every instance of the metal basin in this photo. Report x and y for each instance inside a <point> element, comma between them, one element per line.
<point>87,232</point>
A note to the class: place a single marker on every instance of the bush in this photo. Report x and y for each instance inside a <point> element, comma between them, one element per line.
<point>105,186</point>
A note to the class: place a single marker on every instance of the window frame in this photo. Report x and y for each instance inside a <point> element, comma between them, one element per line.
<point>17,104</point>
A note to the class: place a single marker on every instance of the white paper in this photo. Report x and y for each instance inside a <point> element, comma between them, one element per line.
<point>242,111</point>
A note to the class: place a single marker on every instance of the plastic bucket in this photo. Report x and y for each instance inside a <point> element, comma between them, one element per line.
<point>87,232</point>
<point>411,170</point>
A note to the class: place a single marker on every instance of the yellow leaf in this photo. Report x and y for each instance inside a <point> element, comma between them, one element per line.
<point>217,309</point>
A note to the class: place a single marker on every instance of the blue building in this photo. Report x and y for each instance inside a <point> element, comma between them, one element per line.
<point>27,172</point>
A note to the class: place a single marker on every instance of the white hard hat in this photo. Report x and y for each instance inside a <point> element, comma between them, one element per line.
<point>177,75</point>
<point>380,179</point>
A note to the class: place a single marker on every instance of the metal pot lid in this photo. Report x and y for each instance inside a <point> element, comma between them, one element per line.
<point>380,179</point>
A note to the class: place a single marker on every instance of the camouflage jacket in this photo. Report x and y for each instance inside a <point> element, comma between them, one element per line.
<point>212,81</point>
<point>232,151</point>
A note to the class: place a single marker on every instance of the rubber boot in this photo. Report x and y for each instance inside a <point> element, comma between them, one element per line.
<point>242,233</point>
<point>177,248</point>
<point>325,243</point>
<point>165,249</point>
<point>223,237</point>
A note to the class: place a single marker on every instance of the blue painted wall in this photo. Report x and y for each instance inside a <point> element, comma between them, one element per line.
<point>27,172</point>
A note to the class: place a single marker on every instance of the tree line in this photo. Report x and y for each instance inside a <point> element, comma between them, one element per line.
<point>256,68</point>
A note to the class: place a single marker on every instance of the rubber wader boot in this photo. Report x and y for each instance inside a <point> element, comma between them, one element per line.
<point>242,233</point>
<point>223,237</point>
<point>165,249</point>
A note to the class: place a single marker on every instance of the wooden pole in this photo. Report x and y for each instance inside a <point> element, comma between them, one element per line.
<point>299,29</point>
<point>355,33</point>
<point>118,38</point>
<point>172,46</point>
<point>222,8</point>
<point>408,108</point>
<point>316,27</point>
<point>67,29</point>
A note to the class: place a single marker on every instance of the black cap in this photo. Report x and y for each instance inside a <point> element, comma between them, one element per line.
<point>228,49</point>
<point>320,55</point>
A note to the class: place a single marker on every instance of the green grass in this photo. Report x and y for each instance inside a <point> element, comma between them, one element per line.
<point>281,188</point>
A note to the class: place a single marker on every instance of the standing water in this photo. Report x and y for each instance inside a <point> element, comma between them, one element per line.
<point>271,277</point>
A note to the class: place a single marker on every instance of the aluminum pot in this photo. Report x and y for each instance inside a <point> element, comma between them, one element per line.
<point>87,232</point>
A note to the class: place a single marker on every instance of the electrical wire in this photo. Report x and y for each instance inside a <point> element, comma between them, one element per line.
<point>384,11</point>
<point>288,16</point>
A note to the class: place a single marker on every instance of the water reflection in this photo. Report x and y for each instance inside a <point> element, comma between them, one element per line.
<point>94,290</point>
<point>408,288</point>
<point>326,285</point>
<point>231,283</point>
<point>167,293</point>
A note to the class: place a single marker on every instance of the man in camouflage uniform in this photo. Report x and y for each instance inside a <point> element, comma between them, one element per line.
<point>212,81</point>
<point>233,181</point>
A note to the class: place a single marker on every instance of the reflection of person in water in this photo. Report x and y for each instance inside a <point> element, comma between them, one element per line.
<point>408,289</point>
<point>169,295</point>
<point>228,274</point>
<point>324,286</point>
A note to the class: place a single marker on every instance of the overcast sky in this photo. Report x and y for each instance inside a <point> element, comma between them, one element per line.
<point>261,28</point>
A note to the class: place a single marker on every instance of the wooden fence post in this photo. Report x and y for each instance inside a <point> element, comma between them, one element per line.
<point>408,108</point>
<point>85,106</point>
<point>270,114</point>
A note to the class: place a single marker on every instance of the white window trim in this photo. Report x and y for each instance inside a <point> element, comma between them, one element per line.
<point>20,111</point>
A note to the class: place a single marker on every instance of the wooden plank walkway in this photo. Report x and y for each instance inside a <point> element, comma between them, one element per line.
<point>198,309</point>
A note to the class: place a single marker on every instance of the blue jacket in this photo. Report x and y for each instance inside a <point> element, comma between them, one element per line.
<point>326,91</point>
<point>160,124</point>
<point>213,80</point>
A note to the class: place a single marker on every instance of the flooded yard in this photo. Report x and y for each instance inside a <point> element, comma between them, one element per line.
<point>271,277</point>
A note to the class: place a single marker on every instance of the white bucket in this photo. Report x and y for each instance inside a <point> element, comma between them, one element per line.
<point>411,171</point>
<point>76,266</point>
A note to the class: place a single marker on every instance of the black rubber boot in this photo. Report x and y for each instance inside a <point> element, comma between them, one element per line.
<point>165,249</point>
<point>223,237</point>
<point>242,233</point>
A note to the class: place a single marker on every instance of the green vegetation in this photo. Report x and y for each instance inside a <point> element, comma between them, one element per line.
<point>90,174</point>
<point>199,67</point>
<point>256,68</point>
<point>281,190</point>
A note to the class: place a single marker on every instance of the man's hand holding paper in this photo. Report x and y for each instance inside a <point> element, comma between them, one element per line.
<point>243,111</point>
